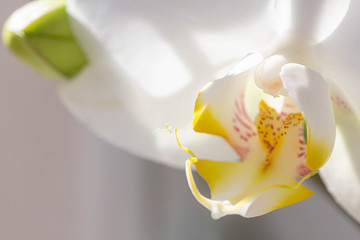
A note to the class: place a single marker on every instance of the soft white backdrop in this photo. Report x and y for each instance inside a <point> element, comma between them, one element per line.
<point>58,181</point>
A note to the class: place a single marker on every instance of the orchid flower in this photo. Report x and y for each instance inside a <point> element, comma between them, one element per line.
<point>145,61</point>
<point>278,150</point>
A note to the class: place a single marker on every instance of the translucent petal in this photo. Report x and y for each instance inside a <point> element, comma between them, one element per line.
<point>220,108</point>
<point>341,174</point>
<point>307,20</point>
<point>162,53</point>
<point>311,93</point>
<point>96,99</point>
<point>338,55</point>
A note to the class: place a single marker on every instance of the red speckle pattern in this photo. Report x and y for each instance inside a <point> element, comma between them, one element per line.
<point>302,169</point>
<point>340,103</point>
<point>270,127</point>
<point>244,128</point>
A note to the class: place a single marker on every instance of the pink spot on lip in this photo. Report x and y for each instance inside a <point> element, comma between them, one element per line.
<point>243,138</point>
<point>301,154</point>
<point>242,151</point>
<point>303,170</point>
<point>242,122</point>
<point>241,108</point>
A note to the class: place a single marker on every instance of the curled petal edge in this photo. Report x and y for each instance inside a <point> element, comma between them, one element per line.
<point>311,93</point>
<point>289,194</point>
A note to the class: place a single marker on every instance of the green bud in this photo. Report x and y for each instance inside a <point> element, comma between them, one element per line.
<point>40,34</point>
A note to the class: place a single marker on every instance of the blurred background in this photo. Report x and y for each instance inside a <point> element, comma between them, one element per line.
<point>59,181</point>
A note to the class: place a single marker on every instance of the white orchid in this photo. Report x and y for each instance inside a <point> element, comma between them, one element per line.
<point>148,60</point>
<point>279,151</point>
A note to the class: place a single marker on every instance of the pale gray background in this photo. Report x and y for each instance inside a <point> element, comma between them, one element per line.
<point>60,182</point>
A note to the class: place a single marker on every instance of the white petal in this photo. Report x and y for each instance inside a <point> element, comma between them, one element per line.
<point>96,99</point>
<point>220,107</point>
<point>161,53</point>
<point>341,174</point>
<point>309,20</point>
<point>200,34</point>
<point>338,55</point>
<point>311,93</point>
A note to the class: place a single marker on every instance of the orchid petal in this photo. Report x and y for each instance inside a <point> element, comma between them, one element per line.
<point>337,56</point>
<point>216,29</point>
<point>308,20</point>
<point>341,173</point>
<point>96,98</point>
<point>220,107</point>
<point>161,54</point>
<point>311,93</point>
